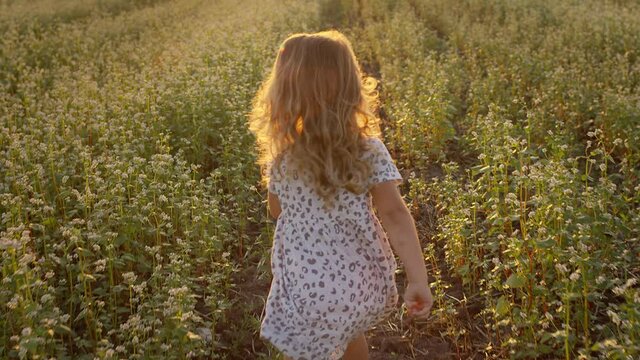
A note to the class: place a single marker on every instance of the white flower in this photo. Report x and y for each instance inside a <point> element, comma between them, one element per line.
<point>129,277</point>
<point>561,268</point>
<point>614,317</point>
<point>13,303</point>
<point>619,290</point>
<point>100,265</point>
<point>511,197</point>
<point>544,324</point>
<point>575,276</point>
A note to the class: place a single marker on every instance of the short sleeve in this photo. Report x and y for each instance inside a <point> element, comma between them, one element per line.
<point>272,186</point>
<point>382,166</point>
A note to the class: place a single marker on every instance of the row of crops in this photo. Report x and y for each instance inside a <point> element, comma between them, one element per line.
<point>517,124</point>
<point>127,194</point>
<point>133,224</point>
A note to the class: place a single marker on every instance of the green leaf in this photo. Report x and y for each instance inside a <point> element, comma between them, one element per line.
<point>545,349</point>
<point>129,257</point>
<point>61,328</point>
<point>463,270</point>
<point>502,306</point>
<point>481,170</point>
<point>29,345</point>
<point>545,244</point>
<point>515,281</point>
<point>122,310</point>
<point>81,315</point>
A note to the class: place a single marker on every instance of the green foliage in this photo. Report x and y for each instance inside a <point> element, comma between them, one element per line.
<point>128,198</point>
<point>529,109</point>
<point>128,202</point>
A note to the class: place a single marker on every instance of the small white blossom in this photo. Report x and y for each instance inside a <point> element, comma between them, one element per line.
<point>614,317</point>
<point>129,277</point>
<point>561,268</point>
<point>26,331</point>
<point>575,276</point>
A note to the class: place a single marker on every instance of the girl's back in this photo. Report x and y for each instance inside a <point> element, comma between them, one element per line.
<point>299,198</point>
<point>333,268</point>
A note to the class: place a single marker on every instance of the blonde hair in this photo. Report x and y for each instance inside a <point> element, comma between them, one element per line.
<point>317,104</point>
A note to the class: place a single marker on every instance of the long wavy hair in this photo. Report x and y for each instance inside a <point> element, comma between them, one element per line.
<point>318,105</point>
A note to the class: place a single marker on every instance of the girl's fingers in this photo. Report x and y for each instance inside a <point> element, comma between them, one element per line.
<point>418,309</point>
<point>418,302</point>
<point>421,313</point>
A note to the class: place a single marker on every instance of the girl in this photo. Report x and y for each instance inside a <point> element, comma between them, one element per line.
<point>333,268</point>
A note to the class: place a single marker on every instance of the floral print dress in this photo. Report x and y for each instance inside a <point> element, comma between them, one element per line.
<point>333,271</point>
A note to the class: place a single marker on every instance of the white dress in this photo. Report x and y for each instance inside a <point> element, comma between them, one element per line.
<point>333,271</point>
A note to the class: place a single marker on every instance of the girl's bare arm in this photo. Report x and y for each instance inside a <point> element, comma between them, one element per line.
<point>274,205</point>
<point>401,229</point>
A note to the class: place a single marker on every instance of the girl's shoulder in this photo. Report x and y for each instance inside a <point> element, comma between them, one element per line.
<point>383,165</point>
<point>374,147</point>
<point>372,141</point>
<point>284,167</point>
<point>282,163</point>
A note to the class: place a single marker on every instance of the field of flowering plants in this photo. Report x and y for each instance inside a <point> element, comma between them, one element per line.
<point>133,222</point>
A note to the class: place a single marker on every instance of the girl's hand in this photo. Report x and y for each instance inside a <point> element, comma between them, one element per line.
<point>418,300</point>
